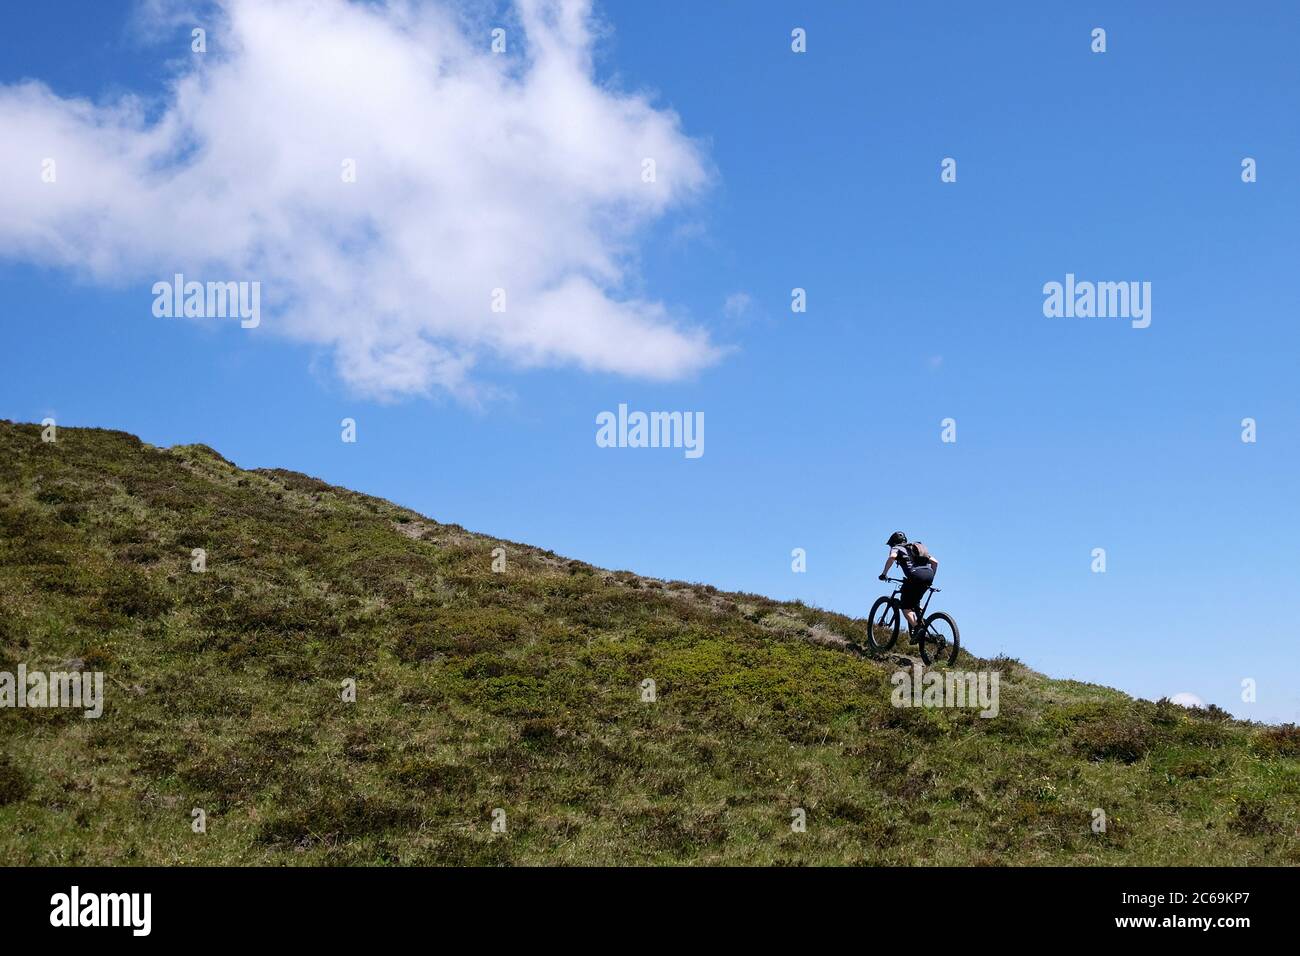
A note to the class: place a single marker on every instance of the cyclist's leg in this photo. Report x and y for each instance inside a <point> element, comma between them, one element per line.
<point>914,586</point>
<point>909,598</point>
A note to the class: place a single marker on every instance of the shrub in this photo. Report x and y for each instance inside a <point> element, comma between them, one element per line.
<point>430,776</point>
<point>128,591</point>
<point>14,785</point>
<point>1283,741</point>
<point>1115,736</point>
<point>1252,819</point>
<point>336,814</point>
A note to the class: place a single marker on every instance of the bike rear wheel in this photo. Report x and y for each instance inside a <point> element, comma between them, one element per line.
<point>882,624</point>
<point>940,642</point>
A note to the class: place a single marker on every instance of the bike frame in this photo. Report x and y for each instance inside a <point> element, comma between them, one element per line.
<point>930,591</point>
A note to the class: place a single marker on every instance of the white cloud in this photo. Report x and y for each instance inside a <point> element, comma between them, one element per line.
<point>737,304</point>
<point>1186,699</point>
<point>474,172</point>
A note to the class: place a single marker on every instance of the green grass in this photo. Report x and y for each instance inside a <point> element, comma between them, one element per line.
<point>521,690</point>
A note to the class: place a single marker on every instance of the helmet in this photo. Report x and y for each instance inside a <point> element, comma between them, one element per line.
<point>896,538</point>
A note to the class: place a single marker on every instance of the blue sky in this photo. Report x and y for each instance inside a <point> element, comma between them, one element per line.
<point>924,302</point>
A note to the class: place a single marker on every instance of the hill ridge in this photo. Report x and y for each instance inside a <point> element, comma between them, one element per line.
<point>524,690</point>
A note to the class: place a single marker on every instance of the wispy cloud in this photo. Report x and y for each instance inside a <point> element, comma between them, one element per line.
<point>737,304</point>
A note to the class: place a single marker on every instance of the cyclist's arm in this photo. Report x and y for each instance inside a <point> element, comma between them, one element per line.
<point>934,561</point>
<point>889,563</point>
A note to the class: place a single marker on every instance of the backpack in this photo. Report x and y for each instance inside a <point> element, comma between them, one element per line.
<point>920,553</point>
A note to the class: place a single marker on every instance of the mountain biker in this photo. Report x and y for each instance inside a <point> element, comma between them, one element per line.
<point>918,567</point>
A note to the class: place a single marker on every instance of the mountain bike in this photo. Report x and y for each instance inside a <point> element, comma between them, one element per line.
<point>937,639</point>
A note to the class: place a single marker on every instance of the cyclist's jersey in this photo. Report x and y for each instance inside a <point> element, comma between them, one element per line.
<point>903,556</point>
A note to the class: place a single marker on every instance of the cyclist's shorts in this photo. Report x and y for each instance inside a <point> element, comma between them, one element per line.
<point>914,585</point>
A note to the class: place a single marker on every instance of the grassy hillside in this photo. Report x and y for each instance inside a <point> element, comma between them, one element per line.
<point>520,690</point>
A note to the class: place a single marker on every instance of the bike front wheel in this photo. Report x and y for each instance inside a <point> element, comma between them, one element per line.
<point>882,624</point>
<point>940,641</point>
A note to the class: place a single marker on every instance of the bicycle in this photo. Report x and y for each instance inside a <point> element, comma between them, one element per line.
<point>938,640</point>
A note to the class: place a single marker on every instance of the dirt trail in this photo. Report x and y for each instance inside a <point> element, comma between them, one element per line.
<point>779,622</point>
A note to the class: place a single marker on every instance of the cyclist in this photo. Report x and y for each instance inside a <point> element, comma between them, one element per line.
<point>918,567</point>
